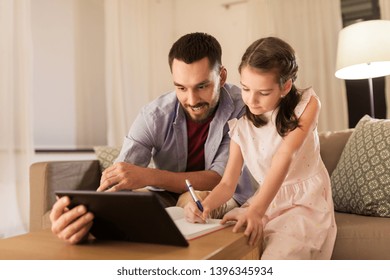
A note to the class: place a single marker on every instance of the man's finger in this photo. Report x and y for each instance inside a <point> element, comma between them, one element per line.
<point>59,208</point>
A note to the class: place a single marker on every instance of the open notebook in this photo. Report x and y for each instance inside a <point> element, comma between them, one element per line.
<point>190,230</point>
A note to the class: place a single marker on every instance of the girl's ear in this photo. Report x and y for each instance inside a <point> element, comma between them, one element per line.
<point>223,76</point>
<point>287,87</point>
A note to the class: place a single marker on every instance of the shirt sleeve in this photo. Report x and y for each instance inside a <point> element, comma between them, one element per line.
<point>306,95</point>
<point>138,144</point>
<point>234,130</point>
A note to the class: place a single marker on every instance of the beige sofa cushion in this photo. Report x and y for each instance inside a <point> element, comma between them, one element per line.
<point>48,177</point>
<point>332,145</point>
<point>361,237</point>
<point>358,237</point>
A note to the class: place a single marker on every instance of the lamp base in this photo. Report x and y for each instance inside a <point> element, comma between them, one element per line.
<point>372,100</point>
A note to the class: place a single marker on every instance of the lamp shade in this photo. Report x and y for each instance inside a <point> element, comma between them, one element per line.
<point>364,50</point>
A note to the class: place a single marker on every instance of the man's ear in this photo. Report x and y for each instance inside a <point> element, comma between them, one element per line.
<point>223,76</point>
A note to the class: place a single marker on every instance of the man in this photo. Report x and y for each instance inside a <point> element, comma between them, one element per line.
<point>185,132</point>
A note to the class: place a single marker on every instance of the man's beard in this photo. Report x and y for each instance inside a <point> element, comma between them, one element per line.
<point>211,107</point>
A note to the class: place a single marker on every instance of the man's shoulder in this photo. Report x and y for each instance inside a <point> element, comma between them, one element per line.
<point>165,99</point>
<point>233,96</point>
<point>234,93</point>
<point>162,104</point>
<point>232,90</point>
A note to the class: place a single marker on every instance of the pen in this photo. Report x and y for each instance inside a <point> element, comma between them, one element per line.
<point>194,197</point>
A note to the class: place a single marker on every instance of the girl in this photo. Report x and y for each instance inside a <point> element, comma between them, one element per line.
<point>277,140</point>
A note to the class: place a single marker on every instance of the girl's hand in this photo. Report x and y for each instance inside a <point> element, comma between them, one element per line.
<point>246,217</point>
<point>194,215</point>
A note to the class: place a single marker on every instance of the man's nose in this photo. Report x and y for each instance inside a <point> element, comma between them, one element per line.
<point>192,98</point>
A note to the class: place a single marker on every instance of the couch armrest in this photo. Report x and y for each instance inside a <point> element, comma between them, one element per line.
<point>48,177</point>
<point>332,145</point>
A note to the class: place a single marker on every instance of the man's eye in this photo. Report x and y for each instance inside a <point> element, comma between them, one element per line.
<point>203,86</point>
<point>181,88</point>
<point>245,89</point>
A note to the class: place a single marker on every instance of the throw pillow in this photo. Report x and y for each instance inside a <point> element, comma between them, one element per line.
<point>106,155</point>
<point>361,180</point>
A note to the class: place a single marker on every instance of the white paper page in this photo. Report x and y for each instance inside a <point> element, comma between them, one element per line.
<point>192,230</point>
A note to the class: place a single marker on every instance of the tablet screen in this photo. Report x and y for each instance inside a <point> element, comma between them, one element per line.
<point>128,216</point>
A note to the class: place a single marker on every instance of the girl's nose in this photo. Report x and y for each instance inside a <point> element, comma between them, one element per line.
<point>252,98</point>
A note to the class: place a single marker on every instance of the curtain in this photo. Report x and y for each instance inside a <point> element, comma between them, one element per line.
<point>311,27</point>
<point>16,147</point>
<point>385,14</point>
<point>127,64</point>
<point>89,72</point>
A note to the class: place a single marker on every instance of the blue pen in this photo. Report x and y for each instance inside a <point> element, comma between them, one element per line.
<point>194,197</point>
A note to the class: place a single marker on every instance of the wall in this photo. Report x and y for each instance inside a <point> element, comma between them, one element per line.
<point>89,73</point>
<point>68,81</point>
<point>227,24</point>
<point>68,38</point>
<point>68,35</point>
<point>161,30</point>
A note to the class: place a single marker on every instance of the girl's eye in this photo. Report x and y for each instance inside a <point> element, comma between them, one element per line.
<point>245,89</point>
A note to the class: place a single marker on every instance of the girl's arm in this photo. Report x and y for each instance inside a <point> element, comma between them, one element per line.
<point>226,187</point>
<point>279,168</point>
<point>223,191</point>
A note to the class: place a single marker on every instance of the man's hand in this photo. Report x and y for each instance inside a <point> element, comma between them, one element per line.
<point>121,176</point>
<point>72,225</point>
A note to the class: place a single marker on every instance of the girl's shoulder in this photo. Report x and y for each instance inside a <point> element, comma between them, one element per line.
<point>239,124</point>
<point>308,92</point>
<point>233,123</point>
<point>306,95</point>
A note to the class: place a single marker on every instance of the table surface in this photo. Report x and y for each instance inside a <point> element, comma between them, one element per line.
<point>43,245</point>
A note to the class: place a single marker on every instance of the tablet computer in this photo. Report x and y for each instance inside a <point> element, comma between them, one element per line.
<point>128,216</point>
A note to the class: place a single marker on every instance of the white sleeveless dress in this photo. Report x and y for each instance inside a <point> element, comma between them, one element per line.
<point>299,223</point>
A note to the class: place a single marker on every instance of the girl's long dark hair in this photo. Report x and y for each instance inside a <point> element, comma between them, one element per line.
<point>272,54</point>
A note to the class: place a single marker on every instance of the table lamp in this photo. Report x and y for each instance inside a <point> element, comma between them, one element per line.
<point>364,53</point>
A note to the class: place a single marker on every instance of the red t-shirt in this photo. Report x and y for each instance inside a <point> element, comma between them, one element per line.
<point>197,134</point>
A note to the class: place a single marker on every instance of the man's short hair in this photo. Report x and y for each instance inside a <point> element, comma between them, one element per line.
<point>196,46</point>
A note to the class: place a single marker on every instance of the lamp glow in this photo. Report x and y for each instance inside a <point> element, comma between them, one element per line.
<point>364,52</point>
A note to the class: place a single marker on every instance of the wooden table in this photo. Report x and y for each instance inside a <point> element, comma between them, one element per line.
<point>43,245</point>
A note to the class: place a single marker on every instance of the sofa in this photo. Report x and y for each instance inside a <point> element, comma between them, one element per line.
<point>358,236</point>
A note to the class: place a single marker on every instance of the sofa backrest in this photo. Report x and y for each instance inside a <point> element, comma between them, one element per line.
<point>332,145</point>
<point>47,177</point>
